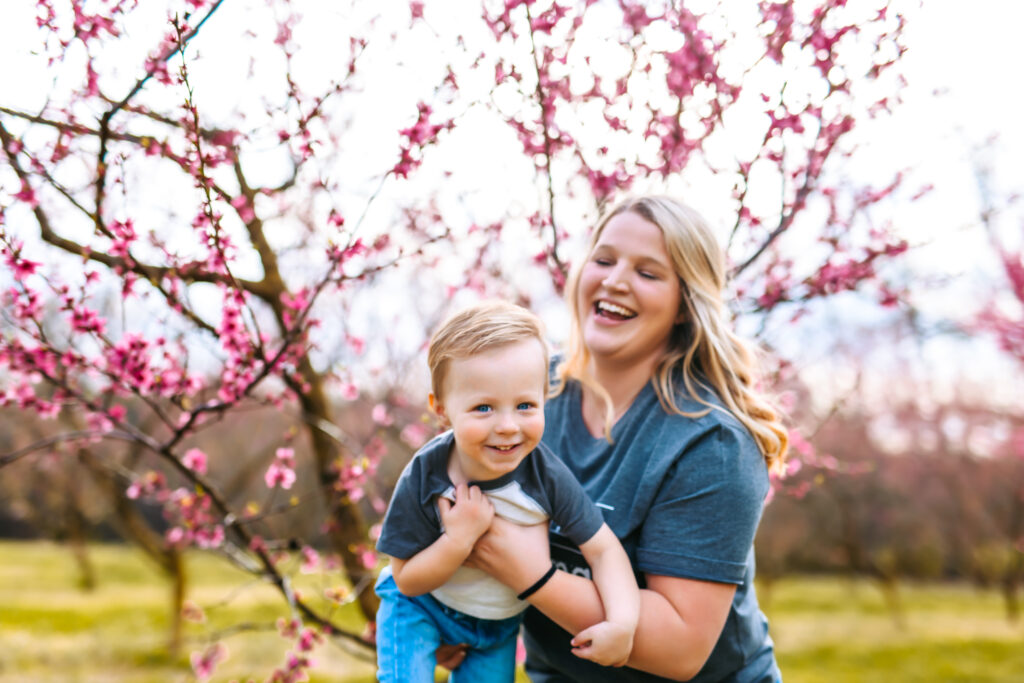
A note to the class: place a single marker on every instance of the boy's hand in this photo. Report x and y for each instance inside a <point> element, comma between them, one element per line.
<point>468,518</point>
<point>607,643</point>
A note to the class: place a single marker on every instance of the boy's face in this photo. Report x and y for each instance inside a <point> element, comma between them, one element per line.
<point>494,403</point>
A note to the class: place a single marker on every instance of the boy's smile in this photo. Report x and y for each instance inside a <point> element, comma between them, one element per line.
<point>494,403</point>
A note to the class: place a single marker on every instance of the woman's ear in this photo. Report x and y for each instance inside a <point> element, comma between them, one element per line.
<point>438,409</point>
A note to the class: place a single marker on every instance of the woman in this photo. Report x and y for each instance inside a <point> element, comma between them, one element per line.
<point>657,414</point>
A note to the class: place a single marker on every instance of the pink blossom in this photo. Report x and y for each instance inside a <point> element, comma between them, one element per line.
<point>151,483</point>
<point>195,460</point>
<point>203,663</point>
<point>190,611</point>
<point>92,86</point>
<point>87,320</point>
<point>288,628</point>
<point>279,475</point>
<point>98,422</point>
<point>175,536</point>
<point>381,416</point>
<point>800,444</point>
<point>20,267</point>
<point>286,456</point>
<point>26,303</point>
<point>415,434</point>
<point>27,195</point>
<point>310,560</point>
<point>209,536</point>
<point>257,544</point>
<point>244,208</point>
<point>307,640</point>
<point>357,344</point>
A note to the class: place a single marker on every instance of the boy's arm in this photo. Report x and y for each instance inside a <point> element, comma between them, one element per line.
<point>464,522</point>
<point>610,642</point>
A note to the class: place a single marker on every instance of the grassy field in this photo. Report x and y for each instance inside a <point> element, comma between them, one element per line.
<point>825,629</point>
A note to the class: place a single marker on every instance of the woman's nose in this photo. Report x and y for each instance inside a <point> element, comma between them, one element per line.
<point>614,280</point>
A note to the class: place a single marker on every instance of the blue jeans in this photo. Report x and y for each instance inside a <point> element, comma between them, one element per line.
<point>409,630</point>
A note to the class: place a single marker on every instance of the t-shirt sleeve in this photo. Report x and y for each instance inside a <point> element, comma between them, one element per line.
<point>408,525</point>
<point>572,510</point>
<point>702,522</point>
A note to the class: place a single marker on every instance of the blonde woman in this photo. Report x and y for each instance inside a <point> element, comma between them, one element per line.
<point>656,411</point>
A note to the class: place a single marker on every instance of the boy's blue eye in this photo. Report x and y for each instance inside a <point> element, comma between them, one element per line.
<point>525,405</point>
<point>483,408</point>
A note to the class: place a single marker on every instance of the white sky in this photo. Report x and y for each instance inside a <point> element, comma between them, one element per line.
<point>961,66</point>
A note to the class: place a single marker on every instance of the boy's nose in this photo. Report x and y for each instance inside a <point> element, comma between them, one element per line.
<point>506,423</point>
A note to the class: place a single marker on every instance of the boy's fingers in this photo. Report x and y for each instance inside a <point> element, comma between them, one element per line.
<point>444,505</point>
<point>583,638</point>
<point>584,652</point>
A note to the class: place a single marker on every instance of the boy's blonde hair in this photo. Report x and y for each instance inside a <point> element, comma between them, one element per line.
<point>703,350</point>
<point>482,327</point>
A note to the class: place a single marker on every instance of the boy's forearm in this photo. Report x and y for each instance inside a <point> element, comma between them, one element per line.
<point>616,584</point>
<point>431,567</point>
<point>620,595</point>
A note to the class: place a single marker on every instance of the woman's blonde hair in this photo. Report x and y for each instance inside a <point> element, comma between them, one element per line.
<point>477,329</point>
<point>703,349</point>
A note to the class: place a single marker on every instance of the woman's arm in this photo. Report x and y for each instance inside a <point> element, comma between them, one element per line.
<point>680,620</point>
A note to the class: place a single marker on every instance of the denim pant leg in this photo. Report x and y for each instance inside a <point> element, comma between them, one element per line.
<point>494,660</point>
<point>491,657</point>
<point>407,636</point>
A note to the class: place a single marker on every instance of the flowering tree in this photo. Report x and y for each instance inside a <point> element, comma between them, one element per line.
<point>189,230</point>
<point>1002,319</point>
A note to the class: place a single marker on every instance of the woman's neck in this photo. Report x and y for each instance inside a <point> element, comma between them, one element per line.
<point>622,382</point>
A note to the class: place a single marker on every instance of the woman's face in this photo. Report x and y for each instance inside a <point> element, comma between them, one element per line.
<point>629,294</point>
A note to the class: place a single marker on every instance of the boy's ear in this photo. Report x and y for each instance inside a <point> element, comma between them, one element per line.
<point>438,409</point>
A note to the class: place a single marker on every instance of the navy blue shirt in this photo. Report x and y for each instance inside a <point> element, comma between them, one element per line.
<point>684,495</point>
<point>540,489</point>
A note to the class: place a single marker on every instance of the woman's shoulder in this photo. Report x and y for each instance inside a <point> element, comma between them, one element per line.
<point>707,418</point>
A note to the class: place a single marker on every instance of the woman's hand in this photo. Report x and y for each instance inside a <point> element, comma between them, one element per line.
<point>513,554</point>
<point>450,656</point>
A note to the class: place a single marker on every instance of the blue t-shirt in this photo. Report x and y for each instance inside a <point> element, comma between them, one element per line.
<point>540,489</point>
<point>685,496</point>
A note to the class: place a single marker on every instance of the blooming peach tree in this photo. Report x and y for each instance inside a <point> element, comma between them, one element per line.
<point>207,199</point>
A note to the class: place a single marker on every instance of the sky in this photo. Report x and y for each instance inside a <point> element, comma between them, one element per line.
<point>960,66</point>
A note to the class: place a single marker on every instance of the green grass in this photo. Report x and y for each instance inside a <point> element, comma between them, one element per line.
<point>844,631</point>
<point>825,629</point>
<point>52,630</point>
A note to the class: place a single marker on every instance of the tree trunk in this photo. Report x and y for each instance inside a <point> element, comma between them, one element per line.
<point>347,530</point>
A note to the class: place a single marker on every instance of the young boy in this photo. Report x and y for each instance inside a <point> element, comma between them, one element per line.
<point>489,377</point>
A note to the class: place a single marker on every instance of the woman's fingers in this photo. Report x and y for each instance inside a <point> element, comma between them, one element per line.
<point>450,656</point>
